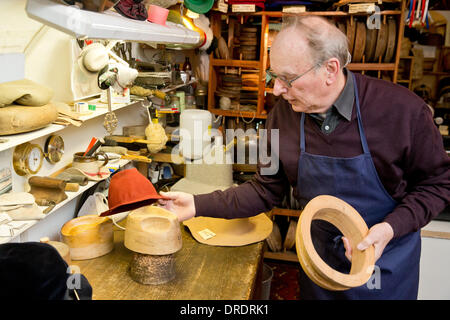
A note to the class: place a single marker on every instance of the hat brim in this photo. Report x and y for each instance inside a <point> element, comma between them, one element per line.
<point>132,205</point>
<point>199,8</point>
<point>231,232</point>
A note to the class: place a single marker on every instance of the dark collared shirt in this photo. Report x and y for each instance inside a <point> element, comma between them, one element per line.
<point>341,108</point>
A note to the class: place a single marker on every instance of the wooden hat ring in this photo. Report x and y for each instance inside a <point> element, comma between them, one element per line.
<point>353,227</point>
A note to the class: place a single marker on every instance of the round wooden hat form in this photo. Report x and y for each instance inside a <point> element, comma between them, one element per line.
<point>153,233</point>
<point>351,224</point>
<point>88,236</point>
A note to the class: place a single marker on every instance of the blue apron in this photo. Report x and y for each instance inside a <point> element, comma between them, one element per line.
<point>355,181</point>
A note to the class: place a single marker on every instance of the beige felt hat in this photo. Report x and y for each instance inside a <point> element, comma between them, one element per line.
<point>230,232</point>
<point>93,58</point>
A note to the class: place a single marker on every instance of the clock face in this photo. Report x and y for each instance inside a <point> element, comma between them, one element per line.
<point>54,149</point>
<point>34,159</point>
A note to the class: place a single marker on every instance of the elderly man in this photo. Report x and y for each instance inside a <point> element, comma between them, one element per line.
<point>366,141</point>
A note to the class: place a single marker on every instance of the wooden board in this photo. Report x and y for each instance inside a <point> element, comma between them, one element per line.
<point>380,48</point>
<point>350,32</point>
<point>392,37</point>
<point>360,42</point>
<point>371,41</point>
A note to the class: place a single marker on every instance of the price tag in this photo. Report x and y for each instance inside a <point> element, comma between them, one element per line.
<point>206,234</point>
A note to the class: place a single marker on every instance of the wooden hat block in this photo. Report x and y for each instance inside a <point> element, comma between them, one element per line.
<point>62,248</point>
<point>154,234</point>
<point>343,216</point>
<point>88,236</point>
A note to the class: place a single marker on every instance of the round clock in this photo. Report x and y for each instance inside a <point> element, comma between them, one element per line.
<point>27,159</point>
<point>54,148</point>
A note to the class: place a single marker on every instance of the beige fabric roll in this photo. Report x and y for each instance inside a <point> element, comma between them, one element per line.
<point>18,119</point>
<point>24,92</point>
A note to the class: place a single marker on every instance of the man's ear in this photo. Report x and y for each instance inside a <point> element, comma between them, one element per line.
<point>332,70</point>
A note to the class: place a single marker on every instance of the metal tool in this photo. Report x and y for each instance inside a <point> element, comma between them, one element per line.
<point>110,121</point>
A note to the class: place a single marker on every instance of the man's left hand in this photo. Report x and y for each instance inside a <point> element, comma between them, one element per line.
<point>379,236</point>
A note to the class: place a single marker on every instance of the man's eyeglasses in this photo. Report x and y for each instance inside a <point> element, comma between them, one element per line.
<point>270,75</point>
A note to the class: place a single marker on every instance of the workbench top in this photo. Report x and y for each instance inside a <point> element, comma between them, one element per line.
<point>203,272</point>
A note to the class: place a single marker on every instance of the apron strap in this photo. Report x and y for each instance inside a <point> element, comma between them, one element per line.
<point>362,135</point>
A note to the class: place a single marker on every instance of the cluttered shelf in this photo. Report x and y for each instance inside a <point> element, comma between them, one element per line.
<point>21,226</point>
<point>106,25</point>
<point>10,141</point>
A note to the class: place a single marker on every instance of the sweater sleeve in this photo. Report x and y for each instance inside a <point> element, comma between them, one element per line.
<point>264,191</point>
<point>428,176</point>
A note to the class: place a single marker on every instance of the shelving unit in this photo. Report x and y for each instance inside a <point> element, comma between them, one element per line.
<point>263,62</point>
<point>70,197</point>
<point>12,141</point>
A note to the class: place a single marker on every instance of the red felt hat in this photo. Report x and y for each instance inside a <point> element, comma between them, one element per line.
<point>129,190</point>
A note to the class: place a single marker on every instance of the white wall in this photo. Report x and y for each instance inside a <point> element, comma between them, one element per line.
<point>30,50</point>
<point>434,281</point>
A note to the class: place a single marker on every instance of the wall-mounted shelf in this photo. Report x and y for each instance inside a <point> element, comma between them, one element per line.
<point>70,197</point>
<point>16,139</point>
<point>235,113</point>
<point>106,25</point>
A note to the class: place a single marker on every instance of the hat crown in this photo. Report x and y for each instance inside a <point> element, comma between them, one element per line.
<point>153,230</point>
<point>129,190</point>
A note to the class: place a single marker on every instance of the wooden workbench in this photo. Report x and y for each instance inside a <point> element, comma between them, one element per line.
<point>203,272</point>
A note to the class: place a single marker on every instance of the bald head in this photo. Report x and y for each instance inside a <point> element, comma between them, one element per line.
<point>312,36</point>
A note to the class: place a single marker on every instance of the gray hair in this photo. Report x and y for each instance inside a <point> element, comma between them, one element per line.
<point>325,40</point>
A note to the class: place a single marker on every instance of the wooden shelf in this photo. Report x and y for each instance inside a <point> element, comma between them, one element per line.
<point>234,63</point>
<point>279,14</point>
<point>372,66</point>
<point>250,88</point>
<point>234,113</point>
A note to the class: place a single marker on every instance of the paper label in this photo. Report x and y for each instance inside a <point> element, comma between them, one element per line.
<point>361,7</point>
<point>206,234</point>
<point>243,8</point>
<point>294,9</point>
<point>222,6</point>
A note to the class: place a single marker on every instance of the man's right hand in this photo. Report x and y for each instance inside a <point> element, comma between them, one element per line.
<point>180,203</point>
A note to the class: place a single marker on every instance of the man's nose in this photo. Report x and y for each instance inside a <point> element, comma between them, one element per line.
<point>279,88</point>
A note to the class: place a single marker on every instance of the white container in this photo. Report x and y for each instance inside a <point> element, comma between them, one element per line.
<point>195,133</point>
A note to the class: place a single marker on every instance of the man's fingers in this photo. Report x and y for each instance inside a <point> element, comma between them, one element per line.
<point>348,248</point>
<point>367,242</point>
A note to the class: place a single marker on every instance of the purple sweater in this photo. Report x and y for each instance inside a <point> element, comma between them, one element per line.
<point>405,145</point>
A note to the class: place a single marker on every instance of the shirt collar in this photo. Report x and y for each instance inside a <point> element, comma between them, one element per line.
<point>344,103</point>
